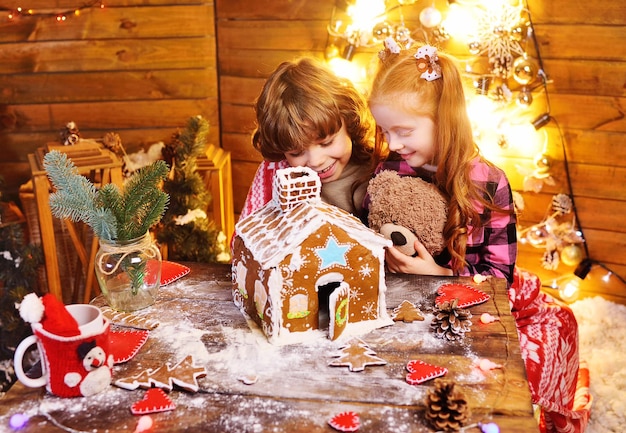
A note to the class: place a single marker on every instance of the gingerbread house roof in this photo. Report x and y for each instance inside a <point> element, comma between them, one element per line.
<point>295,212</point>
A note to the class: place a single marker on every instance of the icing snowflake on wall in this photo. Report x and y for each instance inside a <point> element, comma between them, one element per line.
<point>366,270</point>
<point>355,293</point>
<point>369,310</point>
<point>497,36</point>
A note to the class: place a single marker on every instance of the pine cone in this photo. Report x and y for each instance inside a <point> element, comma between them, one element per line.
<point>550,260</point>
<point>562,204</point>
<point>113,142</point>
<point>446,409</point>
<point>451,322</point>
<point>70,134</point>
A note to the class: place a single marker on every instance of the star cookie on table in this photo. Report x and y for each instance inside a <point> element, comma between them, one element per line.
<point>345,422</point>
<point>420,371</point>
<point>467,295</point>
<point>155,400</point>
<point>356,355</point>
<point>184,375</point>
<point>407,312</point>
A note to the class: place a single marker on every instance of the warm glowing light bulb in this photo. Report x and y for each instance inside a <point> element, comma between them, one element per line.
<point>524,139</point>
<point>365,14</point>
<point>483,114</point>
<point>569,288</point>
<point>460,23</point>
<point>350,70</point>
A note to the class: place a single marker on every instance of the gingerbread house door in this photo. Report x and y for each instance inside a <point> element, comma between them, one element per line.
<point>338,304</point>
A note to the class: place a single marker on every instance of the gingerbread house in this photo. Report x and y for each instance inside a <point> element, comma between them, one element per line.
<point>298,254</point>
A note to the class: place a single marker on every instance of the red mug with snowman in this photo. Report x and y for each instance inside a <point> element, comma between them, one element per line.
<point>73,343</point>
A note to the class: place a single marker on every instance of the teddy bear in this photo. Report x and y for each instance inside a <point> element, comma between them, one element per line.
<point>405,208</point>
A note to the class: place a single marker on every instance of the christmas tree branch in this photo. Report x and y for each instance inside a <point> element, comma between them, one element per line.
<point>112,213</point>
<point>75,196</point>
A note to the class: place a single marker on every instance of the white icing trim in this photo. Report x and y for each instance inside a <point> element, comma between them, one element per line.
<point>275,282</point>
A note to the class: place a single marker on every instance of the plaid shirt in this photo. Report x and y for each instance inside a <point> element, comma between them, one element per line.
<point>261,190</point>
<point>492,249</point>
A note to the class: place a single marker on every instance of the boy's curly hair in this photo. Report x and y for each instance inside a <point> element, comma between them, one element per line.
<point>303,102</point>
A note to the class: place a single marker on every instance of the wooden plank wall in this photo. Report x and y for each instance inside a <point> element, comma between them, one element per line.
<point>584,56</point>
<point>137,68</point>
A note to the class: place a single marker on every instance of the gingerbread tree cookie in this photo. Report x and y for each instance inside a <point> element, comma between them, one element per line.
<point>129,320</point>
<point>356,355</point>
<point>184,374</point>
<point>407,312</point>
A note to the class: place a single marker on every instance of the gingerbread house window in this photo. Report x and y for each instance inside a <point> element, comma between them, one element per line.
<point>298,306</point>
<point>260,298</point>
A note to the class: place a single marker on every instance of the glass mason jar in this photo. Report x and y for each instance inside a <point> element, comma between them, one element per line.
<point>129,272</point>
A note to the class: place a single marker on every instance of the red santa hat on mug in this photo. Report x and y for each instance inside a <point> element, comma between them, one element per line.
<point>50,312</point>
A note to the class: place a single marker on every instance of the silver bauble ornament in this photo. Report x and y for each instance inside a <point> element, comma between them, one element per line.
<point>430,17</point>
<point>543,163</point>
<point>403,34</point>
<point>524,97</point>
<point>537,236</point>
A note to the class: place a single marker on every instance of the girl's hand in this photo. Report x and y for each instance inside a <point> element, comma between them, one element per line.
<point>422,264</point>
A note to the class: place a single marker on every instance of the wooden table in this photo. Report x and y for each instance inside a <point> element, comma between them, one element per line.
<point>296,390</point>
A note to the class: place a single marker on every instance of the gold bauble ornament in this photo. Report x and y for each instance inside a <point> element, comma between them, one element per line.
<point>524,70</point>
<point>382,31</point>
<point>571,255</point>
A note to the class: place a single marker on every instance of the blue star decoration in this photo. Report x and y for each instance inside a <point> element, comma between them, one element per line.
<point>332,253</point>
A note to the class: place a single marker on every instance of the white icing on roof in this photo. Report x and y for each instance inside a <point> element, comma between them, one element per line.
<point>278,228</point>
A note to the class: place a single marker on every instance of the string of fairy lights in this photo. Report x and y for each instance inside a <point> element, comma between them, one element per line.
<point>17,13</point>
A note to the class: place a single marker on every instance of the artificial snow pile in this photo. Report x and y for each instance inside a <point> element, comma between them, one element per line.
<point>602,332</point>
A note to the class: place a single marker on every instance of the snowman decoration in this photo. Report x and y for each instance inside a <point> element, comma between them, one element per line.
<point>98,368</point>
<point>91,368</point>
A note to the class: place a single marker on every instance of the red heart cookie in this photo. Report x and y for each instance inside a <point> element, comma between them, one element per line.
<point>345,421</point>
<point>171,271</point>
<point>420,371</point>
<point>466,295</point>
<point>124,345</point>
<point>155,400</point>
